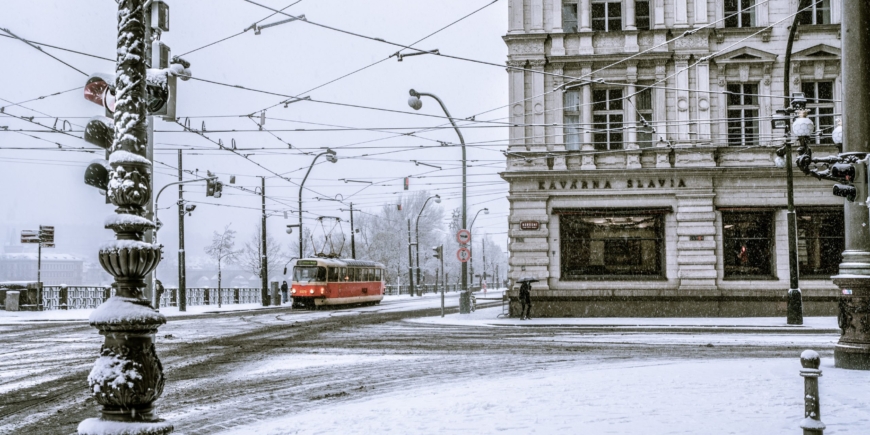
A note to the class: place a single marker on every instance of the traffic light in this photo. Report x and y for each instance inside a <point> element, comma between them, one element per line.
<point>218,189</point>
<point>160,90</point>
<point>210,185</point>
<point>853,177</point>
<point>407,182</point>
<point>438,252</point>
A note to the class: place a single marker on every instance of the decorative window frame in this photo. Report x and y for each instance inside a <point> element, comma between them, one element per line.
<point>745,65</point>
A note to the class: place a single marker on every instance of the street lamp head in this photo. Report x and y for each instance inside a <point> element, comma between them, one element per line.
<point>802,126</point>
<point>438,199</point>
<point>189,208</point>
<point>486,211</point>
<point>415,102</point>
<point>330,156</point>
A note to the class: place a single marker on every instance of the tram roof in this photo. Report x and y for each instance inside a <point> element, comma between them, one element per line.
<point>347,262</point>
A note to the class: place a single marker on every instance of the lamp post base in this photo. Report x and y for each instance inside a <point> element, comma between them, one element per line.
<point>853,349</point>
<point>98,426</point>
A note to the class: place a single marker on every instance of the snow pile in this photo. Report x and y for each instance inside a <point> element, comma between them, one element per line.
<point>96,426</point>
<point>117,245</point>
<point>113,372</point>
<point>156,77</point>
<point>125,157</point>
<point>125,219</point>
<point>119,310</point>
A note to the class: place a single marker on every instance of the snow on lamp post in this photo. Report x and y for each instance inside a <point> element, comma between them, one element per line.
<point>127,378</point>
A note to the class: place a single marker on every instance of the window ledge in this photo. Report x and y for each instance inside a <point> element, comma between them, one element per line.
<point>721,33</point>
<point>615,278</point>
<point>751,278</point>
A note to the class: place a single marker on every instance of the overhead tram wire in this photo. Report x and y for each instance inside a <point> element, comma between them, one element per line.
<point>42,44</point>
<point>240,33</point>
<point>390,56</point>
<point>36,47</point>
<point>2,108</point>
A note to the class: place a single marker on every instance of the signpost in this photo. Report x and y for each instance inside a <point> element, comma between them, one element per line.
<point>45,239</point>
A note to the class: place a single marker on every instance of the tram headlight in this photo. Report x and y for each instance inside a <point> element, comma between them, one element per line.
<point>311,291</point>
<point>293,291</point>
<point>322,290</point>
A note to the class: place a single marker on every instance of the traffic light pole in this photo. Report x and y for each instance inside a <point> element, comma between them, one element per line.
<point>410,263</point>
<point>853,349</point>
<point>443,280</point>
<point>794,305</point>
<point>182,271</point>
<point>352,241</point>
<point>264,258</point>
<point>127,321</point>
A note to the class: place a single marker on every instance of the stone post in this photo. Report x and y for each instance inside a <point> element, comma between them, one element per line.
<point>812,422</point>
<point>127,378</point>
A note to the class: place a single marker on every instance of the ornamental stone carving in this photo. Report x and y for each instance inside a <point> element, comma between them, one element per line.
<point>534,46</point>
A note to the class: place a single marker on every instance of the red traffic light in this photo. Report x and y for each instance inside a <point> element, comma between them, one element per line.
<point>100,89</point>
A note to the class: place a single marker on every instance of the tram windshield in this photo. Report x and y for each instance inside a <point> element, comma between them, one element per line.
<point>309,273</point>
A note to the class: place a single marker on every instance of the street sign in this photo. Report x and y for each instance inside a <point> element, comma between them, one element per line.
<point>463,236</point>
<point>463,255</point>
<point>29,236</point>
<point>46,234</point>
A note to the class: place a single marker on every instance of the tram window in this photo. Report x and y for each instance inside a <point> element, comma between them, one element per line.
<point>309,273</point>
<point>369,275</point>
<point>378,274</point>
<point>343,274</point>
<point>333,274</point>
<point>354,274</point>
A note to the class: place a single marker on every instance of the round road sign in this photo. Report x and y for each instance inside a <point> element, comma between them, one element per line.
<point>463,254</point>
<point>463,236</point>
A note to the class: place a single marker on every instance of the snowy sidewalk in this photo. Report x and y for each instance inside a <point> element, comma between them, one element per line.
<point>390,303</point>
<point>492,317</point>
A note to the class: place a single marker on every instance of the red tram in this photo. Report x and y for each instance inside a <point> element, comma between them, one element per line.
<point>333,281</point>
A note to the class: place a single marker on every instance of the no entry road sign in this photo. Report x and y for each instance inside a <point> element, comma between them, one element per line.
<point>463,236</point>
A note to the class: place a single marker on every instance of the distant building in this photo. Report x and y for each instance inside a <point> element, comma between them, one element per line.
<point>57,269</point>
<point>641,155</point>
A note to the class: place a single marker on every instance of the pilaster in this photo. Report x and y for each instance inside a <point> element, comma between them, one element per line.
<point>515,14</point>
<point>536,9</point>
<point>681,64</point>
<point>681,14</point>
<point>696,244</point>
<point>660,115</point>
<point>517,101</point>
<point>558,131</point>
<point>537,102</point>
<point>702,73</point>
<point>558,39</point>
<point>701,13</point>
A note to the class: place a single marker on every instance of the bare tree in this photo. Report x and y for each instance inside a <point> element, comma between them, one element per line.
<point>253,251</point>
<point>222,250</point>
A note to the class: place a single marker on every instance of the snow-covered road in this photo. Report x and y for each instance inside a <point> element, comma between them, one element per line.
<point>400,368</point>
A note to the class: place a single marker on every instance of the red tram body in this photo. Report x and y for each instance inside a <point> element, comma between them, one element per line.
<point>333,281</point>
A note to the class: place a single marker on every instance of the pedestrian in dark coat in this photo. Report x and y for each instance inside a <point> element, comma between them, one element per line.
<point>158,286</point>
<point>525,301</point>
<point>284,291</point>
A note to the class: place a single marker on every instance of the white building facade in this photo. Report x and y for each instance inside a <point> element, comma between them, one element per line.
<point>641,156</point>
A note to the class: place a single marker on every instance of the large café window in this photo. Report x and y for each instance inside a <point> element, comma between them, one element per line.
<point>611,244</point>
<point>747,249</point>
<point>821,242</point>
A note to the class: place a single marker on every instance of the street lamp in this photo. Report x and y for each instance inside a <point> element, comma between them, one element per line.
<point>471,260</point>
<point>330,157</point>
<point>415,103</point>
<point>417,232</point>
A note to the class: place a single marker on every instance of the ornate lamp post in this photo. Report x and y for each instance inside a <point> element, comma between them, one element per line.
<point>415,103</point>
<point>417,232</point>
<point>330,157</point>
<point>127,378</point>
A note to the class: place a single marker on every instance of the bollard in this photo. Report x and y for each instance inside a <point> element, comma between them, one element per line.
<point>206,296</point>
<point>812,422</point>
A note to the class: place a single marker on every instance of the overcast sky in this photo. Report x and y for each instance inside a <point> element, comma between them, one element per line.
<point>44,185</point>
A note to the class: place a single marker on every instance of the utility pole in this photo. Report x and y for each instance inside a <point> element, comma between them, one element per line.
<point>853,349</point>
<point>352,240</point>
<point>182,272</point>
<point>410,263</point>
<point>264,258</point>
